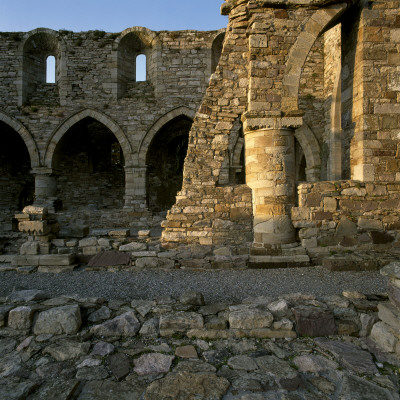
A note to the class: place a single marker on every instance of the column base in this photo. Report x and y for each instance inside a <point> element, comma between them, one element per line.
<point>278,256</point>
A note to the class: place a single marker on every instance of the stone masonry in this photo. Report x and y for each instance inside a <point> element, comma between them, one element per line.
<point>292,347</point>
<point>293,153</point>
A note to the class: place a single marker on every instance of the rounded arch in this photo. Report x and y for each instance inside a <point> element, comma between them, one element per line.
<point>312,152</point>
<point>98,116</point>
<point>147,36</point>
<point>35,47</point>
<point>26,137</point>
<point>298,53</point>
<point>145,143</point>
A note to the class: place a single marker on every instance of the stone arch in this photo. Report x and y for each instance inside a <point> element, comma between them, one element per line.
<point>145,143</point>
<point>131,43</point>
<point>100,117</point>
<point>298,53</point>
<point>216,49</point>
<point>35,47</point>
<point>146,35</point>
<point>312,152</point>
<point>26,137</point>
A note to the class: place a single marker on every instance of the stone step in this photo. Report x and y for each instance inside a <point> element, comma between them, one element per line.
<point>349,263</point>
<point>56,269</point>
<point>44,260</point>
<point>287,261</point>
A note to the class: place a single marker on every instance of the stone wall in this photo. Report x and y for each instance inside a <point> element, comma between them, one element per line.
<point>296,90</point>
<point>338,219</point>
<point>95,81</point>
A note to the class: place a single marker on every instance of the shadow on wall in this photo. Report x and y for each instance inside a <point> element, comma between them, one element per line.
<point>165,160</point>
<point>90,167</point>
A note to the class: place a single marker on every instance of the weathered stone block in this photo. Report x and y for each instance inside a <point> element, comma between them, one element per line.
<point>250,318</point>
<point>180,322</point>
<point>59,320</point>
<point>20,318</point>
<point>30,248</point>
<point>382,336</point>
<point>313,321</point>
<point>122,326</point>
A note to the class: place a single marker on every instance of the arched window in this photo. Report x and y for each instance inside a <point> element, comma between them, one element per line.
<point>141,71</point>
<point>51,69</point>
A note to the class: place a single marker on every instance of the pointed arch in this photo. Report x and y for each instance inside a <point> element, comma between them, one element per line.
<point>98,116</point>
<point>298,53</point>
<point>26,137</point>
<point>145,143</point>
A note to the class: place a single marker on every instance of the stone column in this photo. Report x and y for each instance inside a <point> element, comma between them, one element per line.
<point>270,173</point>
<point>45,185</point>
<point>135,188</point>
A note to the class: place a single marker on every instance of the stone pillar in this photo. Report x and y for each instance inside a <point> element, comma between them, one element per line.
<point>45,185</point>
<point>270,173</point>
<point>135,188</point>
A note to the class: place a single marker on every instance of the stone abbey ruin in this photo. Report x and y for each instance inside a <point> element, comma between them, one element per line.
<point>273,142</point>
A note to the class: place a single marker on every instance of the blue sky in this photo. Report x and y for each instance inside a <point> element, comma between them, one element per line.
<point>110,15</point>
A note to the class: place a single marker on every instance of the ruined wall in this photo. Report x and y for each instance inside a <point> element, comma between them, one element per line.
<point>95,80</point>
<point>344,218</point>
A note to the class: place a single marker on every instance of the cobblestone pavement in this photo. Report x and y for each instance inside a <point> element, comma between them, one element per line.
<point>293,347</point>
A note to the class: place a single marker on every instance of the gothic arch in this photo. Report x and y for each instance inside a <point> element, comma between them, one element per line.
<point>145,143</point>
<point>298,53</point>
<point>312,152</point>
<point>26,137</point>
<point>98,116</point>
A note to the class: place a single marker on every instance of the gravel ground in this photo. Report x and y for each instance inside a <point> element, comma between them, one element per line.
<point>216,286</point>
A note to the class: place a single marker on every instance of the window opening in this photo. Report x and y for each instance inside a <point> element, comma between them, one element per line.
<point>51,69</point>
<point>141,68</point>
